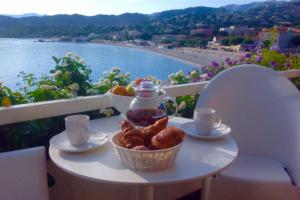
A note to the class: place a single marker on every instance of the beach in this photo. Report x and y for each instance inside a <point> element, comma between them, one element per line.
<point>195,56</point>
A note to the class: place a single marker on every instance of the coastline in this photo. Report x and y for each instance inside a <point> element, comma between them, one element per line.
<point>193,56</point>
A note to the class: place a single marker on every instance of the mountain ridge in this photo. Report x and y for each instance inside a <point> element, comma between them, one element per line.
<point>178,21</point>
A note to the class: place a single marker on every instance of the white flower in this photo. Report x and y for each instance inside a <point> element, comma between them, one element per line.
<point>119,76</point>
<point>115,83</point>
<point>92,92</point>
<point>105,73</point>
<point>105,81</point>
<point>182,105</point>
<point>180,73</point>
<point>81,61</point>
<point>76,58</point>
<point>64,64</point>
<point>47,87</point>
<point>69,54</point>
<point>127,74</point>
<point>116,70</point>
<point>74,87</point>
<point>174,82</point>
<point>171,76</point>
<point>107,112</point>
<point>57,73</point>
<point>73,57</point>
<point>71,95</point>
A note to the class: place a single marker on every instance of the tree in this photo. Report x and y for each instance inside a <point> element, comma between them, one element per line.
<point>267,44</point>
<point>146,36</point>
<point>225,42</point>
<point>248,41</point>
<point>236,40</point>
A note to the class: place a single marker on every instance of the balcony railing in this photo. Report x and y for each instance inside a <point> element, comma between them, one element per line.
<point>33,111</point>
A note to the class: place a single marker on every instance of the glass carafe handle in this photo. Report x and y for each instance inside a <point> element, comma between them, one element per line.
<point>165,100</point>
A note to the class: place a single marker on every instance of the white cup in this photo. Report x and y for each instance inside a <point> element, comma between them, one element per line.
<point>205,120</point>
<point>77,128</point>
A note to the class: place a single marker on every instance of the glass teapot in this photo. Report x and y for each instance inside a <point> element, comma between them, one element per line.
<point>149,104</point>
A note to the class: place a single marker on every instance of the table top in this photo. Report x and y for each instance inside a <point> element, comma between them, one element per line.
<point>197,159</point>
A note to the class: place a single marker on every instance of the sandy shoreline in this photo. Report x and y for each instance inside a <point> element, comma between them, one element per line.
<point>194,56</point>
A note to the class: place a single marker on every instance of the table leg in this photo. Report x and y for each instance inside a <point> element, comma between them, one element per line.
<point>144,193</point>
<point>205,188</point>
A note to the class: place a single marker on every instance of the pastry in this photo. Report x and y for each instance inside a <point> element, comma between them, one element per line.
<point>126,125</point>
<point>167,138</point>
<point>141,148</point>
<point>155,137</point>
<point>131,137</point>
<point>154,129</point>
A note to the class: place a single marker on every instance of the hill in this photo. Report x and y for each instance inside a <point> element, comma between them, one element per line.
<point>180,21</point>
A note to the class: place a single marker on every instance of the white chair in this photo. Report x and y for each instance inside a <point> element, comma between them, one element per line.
<point>23,175</point>
<point>263,109</point>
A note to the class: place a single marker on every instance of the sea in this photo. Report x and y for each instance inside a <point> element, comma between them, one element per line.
<point>31,56</point>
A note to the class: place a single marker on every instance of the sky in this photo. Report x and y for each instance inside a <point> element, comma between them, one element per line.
<point>93,7</point>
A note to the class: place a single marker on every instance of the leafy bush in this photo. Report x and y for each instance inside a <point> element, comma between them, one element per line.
<point>110,79</point>
<point>69,78</point>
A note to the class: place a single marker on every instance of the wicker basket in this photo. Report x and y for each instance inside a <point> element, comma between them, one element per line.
<point>145,160</point>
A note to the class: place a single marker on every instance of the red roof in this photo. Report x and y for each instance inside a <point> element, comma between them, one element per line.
<point>282,29</point>
<point>296,30</point>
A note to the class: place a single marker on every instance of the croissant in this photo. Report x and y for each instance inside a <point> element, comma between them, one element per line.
<point>131,137</point>
<point>167,138</point>
<point>141,148</point>
<point>152,130</point>
<point>126,125</point>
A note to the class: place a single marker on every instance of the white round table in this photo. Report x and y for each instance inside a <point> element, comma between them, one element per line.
<point>197,159</point>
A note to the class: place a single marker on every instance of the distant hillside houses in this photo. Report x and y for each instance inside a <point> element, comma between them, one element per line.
<point>167,38</point>
<point>238,30</point>
<point>215,45</point>
<point>284,37</point>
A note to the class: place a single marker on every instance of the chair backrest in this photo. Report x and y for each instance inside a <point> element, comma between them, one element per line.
<point>263,109</point>
<point>23,175</point>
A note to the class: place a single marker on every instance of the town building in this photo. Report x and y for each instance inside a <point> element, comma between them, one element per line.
<point>167,38</point>
<point>215,45</point>
<point>280,37</point>
<point>228,30</point>
<point>239,30</point>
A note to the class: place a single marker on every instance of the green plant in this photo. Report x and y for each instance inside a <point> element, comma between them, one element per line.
<point>71,77</point>
<point>8,97</point>
<point>110,79</point>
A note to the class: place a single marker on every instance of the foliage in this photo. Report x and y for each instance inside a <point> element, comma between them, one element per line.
<point>194,42</point>
<point>235,40</point>
<point>110,79</point>
<point>8,97</point>
<point>71,77</point>
<point>267,44</point>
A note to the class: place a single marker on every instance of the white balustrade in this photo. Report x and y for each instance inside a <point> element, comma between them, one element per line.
<point>33,111</point>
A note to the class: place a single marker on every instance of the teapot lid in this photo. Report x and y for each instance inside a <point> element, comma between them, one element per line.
<point>147,89</point>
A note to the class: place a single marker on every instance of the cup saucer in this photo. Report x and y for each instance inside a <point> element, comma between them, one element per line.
<point>62,143</point>
<point>217,132</point>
